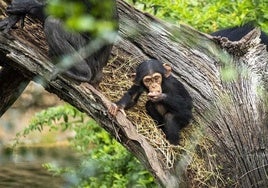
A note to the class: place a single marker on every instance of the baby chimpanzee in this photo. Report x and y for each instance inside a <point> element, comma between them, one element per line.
<point>169,103</point>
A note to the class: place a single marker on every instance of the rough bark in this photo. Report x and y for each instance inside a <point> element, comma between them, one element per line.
<point>233,113</point>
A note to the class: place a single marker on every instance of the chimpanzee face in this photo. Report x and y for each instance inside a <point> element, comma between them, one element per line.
<point>153,83</point>
<point>151,74</point>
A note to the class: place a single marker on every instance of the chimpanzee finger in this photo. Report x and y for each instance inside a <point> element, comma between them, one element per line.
<point>113,109</point>
<point>22,21</point>
<point>154,99</point>
<point>157,98</point>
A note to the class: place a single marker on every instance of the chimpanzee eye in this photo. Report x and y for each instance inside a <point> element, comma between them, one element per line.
<point>157,78</point>
<point>147,81</point>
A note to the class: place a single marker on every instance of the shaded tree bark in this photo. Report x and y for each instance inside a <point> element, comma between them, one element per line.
<point>12,84</point>
<point>231,112</point>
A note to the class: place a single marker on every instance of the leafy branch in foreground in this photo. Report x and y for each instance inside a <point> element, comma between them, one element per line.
<point>54,118</point>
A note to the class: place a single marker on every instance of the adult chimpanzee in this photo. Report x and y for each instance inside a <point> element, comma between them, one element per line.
<point>236,33</point>
<point>62,42</point>
<point>169,103</point>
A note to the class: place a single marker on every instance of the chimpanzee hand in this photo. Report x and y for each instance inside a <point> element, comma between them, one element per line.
<point>156,97</point>
<point>9,22</point>
<point>113,109</point>
<point>17,11</point>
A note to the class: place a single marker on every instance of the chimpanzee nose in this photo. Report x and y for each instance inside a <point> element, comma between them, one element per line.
<point>154,85</point>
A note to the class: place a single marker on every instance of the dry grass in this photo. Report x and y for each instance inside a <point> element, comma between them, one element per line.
<point>192,156</point>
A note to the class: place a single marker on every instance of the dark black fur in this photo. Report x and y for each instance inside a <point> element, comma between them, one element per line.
<point>177,103</point>
<point>61,42</point>
<point>236,33</point>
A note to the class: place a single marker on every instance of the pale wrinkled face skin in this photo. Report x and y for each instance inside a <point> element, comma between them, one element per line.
<point>153,83</point>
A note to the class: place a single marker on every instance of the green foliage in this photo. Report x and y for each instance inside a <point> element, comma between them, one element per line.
<point>109,163</point>
<point>96,17</point>
<point>54,118</point>
<point>104,162</point>
<point>208,15</point>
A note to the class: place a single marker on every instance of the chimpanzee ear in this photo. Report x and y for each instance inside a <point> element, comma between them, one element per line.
<point>132,76</point>
<point>168,69</point>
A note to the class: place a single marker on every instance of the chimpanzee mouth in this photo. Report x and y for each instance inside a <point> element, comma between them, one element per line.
<point>154,93</point>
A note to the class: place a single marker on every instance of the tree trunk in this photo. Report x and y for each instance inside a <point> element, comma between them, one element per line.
<point>229,109</point>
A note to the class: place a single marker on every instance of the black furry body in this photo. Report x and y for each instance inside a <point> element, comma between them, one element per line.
<point>60,41</point>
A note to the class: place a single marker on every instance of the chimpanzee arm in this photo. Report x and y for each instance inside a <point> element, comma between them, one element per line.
<point>176,97</point>
<point>17,11</point>
<point>61,43</point>
<point>179,114</point>
<point>131,97</point>
<point>175,103</point>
